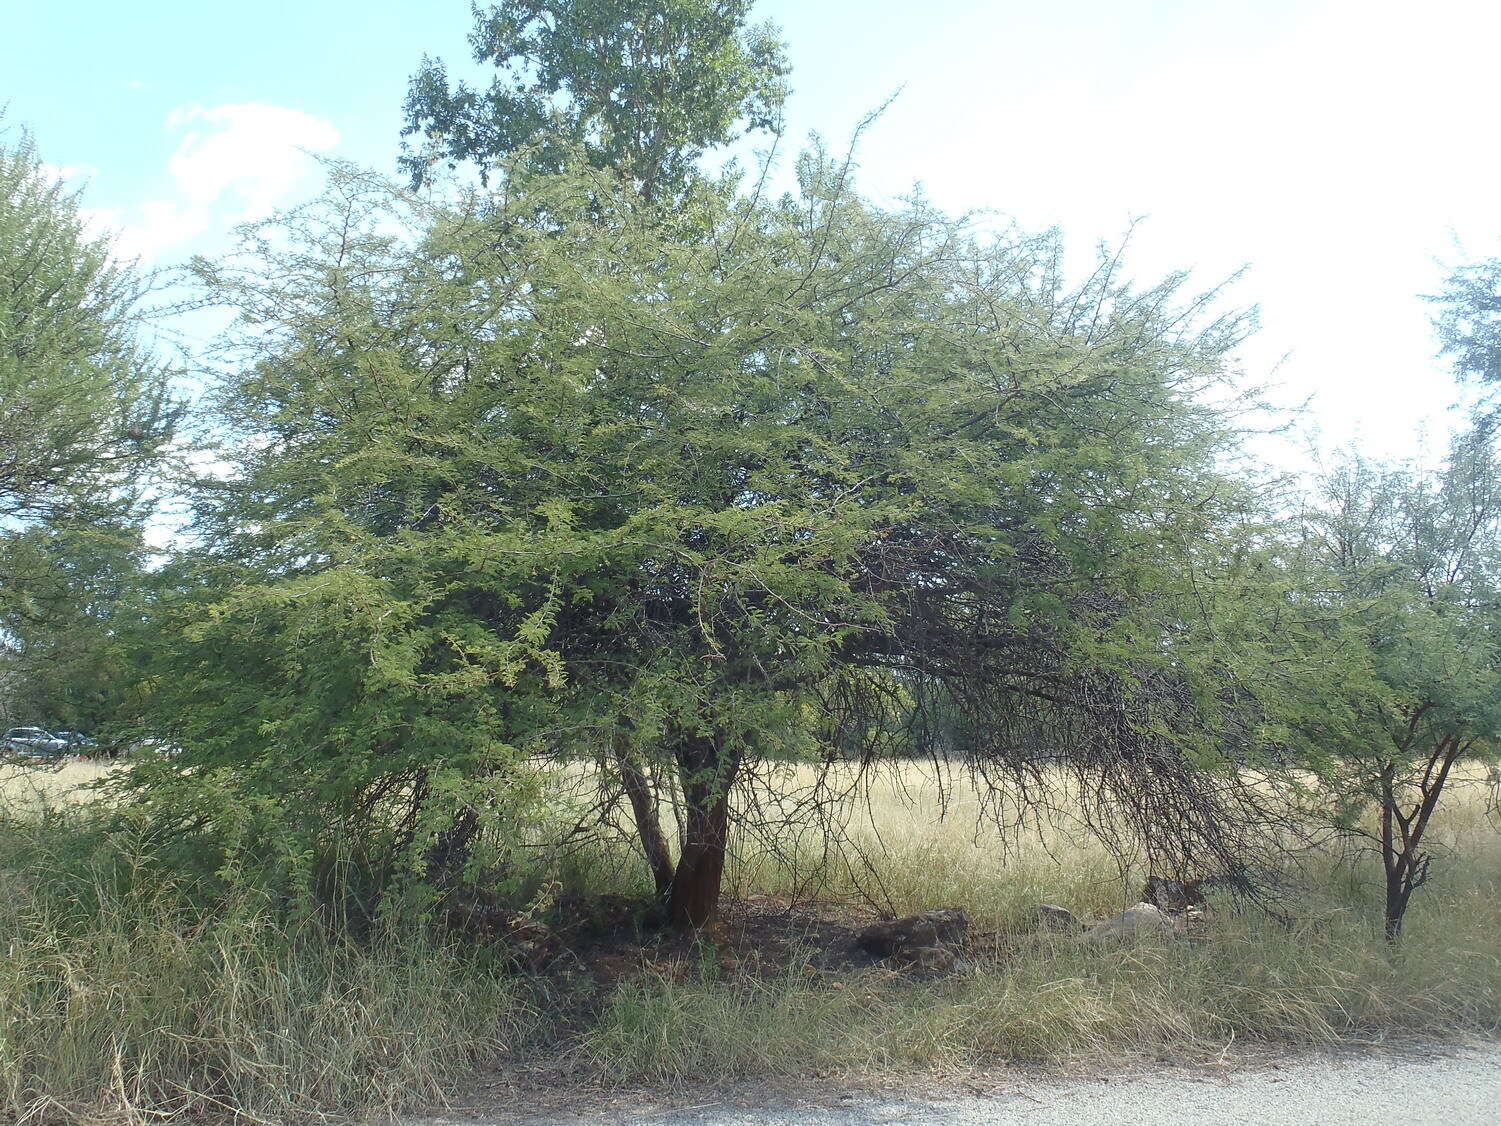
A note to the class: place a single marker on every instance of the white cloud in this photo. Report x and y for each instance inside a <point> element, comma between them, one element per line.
<point>233,163</point>
<point>77,171</point>
<point>253,152</point>
<point>1341,154</point>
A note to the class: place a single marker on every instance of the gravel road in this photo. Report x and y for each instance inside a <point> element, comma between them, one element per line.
<point>1416,1086</point>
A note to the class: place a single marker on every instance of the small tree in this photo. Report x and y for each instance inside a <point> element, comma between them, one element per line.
<point>1411,564</point>
<point>644,86</point>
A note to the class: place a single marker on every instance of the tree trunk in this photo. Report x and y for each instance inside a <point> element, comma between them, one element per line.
<point>1396,907</point>
<point>643,800</point>
<point>1391,858</point>
<point>1402,830</point>
<point>707,771</point>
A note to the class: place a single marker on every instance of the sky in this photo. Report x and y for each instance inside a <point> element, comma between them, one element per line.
<point>1342,152</point>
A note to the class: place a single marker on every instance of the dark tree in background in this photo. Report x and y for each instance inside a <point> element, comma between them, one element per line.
<point>85,411</point>
<point>66,656</point>
<point>644,86</point>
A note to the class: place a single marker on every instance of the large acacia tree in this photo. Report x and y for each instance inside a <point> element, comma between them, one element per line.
<point>561,472</point>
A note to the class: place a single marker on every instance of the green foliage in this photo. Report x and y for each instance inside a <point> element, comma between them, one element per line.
<point>553,472</point>
<point>644,86</point>
<point>1469,321</point>
<point>65,663</point>
<point>1415,559</point>
<point>1408,569</point>
<point>83,407</point>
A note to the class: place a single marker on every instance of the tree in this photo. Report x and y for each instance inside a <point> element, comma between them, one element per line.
<point>65,661</point>
<point>692,493</point>
<point>644,86</point>
<point>1469,330</point>
<point>1411,564</point>
<point>84,408</point>
<point>1469,321</point>
<point>85,411</point>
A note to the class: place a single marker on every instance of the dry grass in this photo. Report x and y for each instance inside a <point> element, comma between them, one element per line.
<point>1325,976</point>
<point>132,993</point>
<point>915,838</point>
<point>32,786</point>
<point>1060,1001</point>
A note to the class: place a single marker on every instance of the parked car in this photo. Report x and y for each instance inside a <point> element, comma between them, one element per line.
<point>151,745</point>
<point>34,742</point>
<point>77,741</point>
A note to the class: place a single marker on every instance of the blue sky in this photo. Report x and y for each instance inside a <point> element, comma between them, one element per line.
<point>1341,150</point>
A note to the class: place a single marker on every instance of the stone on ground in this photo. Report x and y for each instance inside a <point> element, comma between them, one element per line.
<point>894,938</point>
<point>1060,919</point>
<point>1140,921</point>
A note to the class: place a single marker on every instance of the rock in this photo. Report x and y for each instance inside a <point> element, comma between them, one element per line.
<point>1172,896</point>
<point>1141,921</point>
<point>1054,918</point>
<point>944,926</point>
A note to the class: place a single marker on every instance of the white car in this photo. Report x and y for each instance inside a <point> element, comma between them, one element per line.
<point>34,742</point>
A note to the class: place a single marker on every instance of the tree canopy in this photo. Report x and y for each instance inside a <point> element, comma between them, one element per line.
<point>644,86</point>
<point>692,491</point>
<point>85,410</point>
<point>83,405</point>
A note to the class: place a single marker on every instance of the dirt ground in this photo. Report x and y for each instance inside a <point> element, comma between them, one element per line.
<point>1419,1084</point>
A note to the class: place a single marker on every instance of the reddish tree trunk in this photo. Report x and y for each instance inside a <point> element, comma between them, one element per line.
<point>707,771</point>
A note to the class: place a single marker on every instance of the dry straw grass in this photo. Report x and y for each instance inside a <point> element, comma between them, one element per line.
<point>1325,975</point>
<point>130,994</point>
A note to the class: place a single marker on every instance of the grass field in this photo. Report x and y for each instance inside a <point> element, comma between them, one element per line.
<point>35,786</point>
<point>130,994</point>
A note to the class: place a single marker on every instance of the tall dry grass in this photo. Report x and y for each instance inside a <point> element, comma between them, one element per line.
<point>133,992</point>
<point>1323,974</point>
<point>137,990</point>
